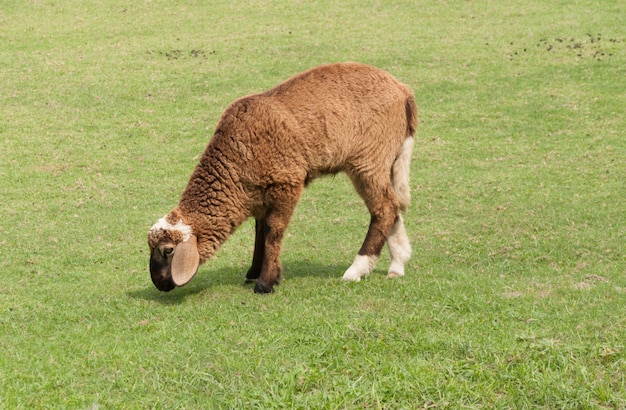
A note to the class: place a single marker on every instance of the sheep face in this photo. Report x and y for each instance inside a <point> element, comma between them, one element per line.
<point>174,257</point>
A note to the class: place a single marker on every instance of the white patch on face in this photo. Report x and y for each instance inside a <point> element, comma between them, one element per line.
<point>183,228</point>
<point>362,265</point>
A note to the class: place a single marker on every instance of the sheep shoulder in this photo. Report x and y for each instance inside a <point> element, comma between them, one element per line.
<point>262,139</point>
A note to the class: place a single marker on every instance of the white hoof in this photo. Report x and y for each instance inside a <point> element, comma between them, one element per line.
<point>396,269</point>
<point>361,266</point>
<point>351,276</point>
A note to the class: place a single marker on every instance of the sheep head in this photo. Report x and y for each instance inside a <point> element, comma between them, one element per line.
<point>174,257</point>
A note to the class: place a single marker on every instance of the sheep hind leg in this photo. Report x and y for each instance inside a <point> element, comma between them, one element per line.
<point>399,248</point>
<point>259,250</point>
<point>383,210</point>
<point>283,200</point>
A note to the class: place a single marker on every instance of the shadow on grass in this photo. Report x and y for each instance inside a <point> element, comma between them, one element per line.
<point>303,269</point>
<point>206,279</point>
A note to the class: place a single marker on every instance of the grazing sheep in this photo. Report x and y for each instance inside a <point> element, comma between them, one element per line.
<point>267,147</point>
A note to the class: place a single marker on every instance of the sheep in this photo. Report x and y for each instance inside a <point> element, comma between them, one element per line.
<point>267,147</point>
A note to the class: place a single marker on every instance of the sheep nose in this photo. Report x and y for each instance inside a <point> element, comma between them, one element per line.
<point>160,274</point>
<point>163,285</point>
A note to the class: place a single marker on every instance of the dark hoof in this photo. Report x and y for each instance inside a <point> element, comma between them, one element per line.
<point>262,287</point>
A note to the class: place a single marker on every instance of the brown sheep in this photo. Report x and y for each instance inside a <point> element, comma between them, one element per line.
<point>267,147</point>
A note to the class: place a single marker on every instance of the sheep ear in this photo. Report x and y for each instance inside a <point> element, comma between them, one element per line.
<point>185,262</point>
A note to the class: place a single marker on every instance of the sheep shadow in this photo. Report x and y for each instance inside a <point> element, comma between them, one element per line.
<point>307,268</point>
<point>207,279</point>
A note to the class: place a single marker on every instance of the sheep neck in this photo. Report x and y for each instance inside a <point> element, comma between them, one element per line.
<point>213,202</point>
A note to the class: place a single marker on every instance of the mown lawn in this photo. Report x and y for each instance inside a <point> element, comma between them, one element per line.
<point>516,292</point>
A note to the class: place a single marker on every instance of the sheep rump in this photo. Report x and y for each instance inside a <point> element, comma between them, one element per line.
<point>267,147</point>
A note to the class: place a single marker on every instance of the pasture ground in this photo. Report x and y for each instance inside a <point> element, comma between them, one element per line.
<point>516,292</point>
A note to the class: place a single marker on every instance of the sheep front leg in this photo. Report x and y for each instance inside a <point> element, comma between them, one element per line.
<point>259,250</point>
<point>283,200</point>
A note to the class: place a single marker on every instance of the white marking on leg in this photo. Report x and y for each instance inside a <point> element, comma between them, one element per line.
<point>362,265</point>
<point>401,170</point>
<point>183,228</point>
<point>399,249</point>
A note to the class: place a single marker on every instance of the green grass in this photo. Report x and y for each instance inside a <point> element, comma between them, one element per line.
<point>516,292</point>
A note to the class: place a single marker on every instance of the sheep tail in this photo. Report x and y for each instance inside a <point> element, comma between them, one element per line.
<point>411,116</point>
<point>402,164</point>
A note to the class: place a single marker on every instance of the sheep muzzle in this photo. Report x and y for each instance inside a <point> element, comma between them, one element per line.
<point>160,271</point>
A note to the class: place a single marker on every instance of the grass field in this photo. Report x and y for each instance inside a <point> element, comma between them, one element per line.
<point>515,296</point>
